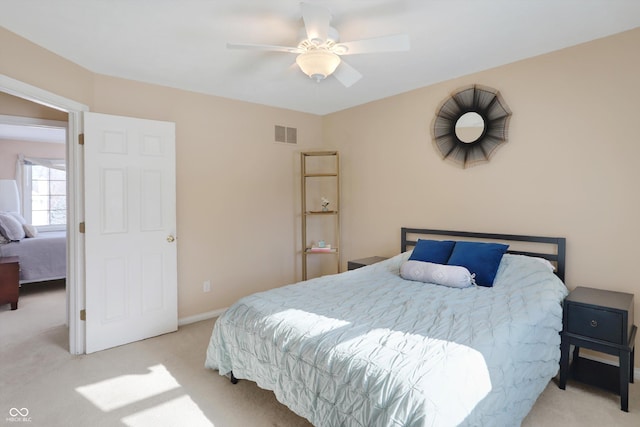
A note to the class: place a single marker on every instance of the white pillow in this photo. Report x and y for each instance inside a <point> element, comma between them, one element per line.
<point>10,227</point>
<point>17,216</point>
<point>542,261</point>
<point>546,263</point>
<point>453,276</point>
<point>30,230</point>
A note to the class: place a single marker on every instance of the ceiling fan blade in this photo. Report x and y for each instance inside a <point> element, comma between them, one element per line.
<point>395,43</point>
<point>316,21</point>
<point>267,47</point>
<point>346,74</point>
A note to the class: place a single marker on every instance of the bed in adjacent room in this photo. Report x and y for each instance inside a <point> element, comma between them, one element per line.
<point>407,341</point>
<point>43,255</point>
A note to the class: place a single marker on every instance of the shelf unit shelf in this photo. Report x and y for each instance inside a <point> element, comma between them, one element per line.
<point>308,176</point>
<point>321,213</point>
<point>319,175</point>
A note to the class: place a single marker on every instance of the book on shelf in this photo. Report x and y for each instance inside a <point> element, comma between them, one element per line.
<point>325,248</point>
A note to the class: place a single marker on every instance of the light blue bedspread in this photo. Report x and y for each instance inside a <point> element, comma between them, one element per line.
<point>368,348</point>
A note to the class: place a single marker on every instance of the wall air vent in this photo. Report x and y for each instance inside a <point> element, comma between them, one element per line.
<point>286,135</point>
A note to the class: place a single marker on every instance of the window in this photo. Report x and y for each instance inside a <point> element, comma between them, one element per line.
<point>44,187</point>
<point>48,196</point>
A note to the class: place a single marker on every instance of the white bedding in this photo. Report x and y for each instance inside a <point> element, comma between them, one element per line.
<point>368,348</point>
<point>43,257</point>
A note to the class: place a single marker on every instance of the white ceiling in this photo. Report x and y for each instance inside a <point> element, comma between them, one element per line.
<point>15,128</point>
<point>32,133</point>
<point>182,44</point>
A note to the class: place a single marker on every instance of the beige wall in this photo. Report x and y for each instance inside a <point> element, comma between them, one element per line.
<point>236,188</point>
<point>29,63</point>
<point>237,212</point>
<point>14,106</point>
<point>570,167</point>
<point>9,151</point>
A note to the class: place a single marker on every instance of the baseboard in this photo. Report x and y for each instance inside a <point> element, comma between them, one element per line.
<point>202,316</point>
<point>636,371</point>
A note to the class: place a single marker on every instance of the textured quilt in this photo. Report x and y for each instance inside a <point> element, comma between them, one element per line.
<point>368,348</point>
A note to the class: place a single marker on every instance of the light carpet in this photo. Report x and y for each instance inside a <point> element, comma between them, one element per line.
<point>162,381</point>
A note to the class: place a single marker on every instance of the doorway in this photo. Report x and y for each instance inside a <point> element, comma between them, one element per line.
<point>33,158</point>
<point>75,242</point>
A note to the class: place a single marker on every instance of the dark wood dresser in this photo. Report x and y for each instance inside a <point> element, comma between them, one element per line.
<point>10,281</point>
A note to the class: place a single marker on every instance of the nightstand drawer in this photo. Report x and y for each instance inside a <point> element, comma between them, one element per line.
<point>594,323</point>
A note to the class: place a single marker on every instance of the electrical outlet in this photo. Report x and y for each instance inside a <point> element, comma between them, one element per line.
<point>206,286</point>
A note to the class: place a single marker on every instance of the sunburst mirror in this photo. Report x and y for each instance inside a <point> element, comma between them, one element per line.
<point>470,125</point>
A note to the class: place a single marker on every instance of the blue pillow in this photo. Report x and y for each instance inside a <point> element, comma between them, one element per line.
<point>481,259</point>
<point>435,251</point>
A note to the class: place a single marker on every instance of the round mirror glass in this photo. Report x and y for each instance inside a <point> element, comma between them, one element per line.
<point>469,127</point>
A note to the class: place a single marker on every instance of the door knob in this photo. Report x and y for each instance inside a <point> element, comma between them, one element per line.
<point>170,238</point>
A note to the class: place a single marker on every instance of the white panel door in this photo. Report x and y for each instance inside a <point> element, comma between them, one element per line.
<point>130,227</point>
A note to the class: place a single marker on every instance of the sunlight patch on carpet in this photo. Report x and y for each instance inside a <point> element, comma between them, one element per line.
<point>177,412</point>
<point>125,390</point>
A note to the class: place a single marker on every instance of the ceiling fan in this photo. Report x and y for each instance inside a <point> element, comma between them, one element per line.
<point>319,54</point>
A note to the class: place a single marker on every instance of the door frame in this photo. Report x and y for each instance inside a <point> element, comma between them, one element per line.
<point>75,284</point>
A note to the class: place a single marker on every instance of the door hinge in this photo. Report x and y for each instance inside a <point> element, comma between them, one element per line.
<point>81,227</point>
<point>83,314</point>
<point>81,139</point>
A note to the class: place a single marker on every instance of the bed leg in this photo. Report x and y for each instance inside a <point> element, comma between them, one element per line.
<point>233,379</point>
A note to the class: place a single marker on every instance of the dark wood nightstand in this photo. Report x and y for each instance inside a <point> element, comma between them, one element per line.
<point>352,265</point>
<point>10,281</point>
<point>602,321</point>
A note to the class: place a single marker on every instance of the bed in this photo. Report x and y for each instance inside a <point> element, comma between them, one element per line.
<point>368,347</point>
<point>42,258</point>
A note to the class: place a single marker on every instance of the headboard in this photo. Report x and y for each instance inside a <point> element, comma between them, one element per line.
<point>554,247</point>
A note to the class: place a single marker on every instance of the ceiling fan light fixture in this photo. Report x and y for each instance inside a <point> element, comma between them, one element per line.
<point>340,49</point>
<point>318,64</point>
